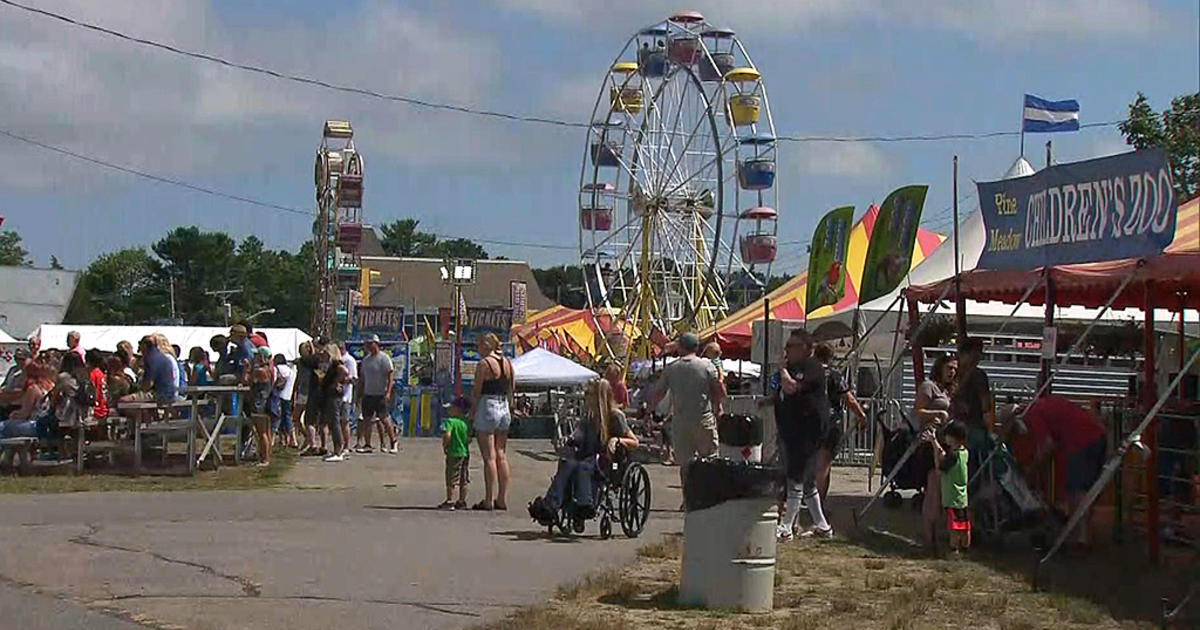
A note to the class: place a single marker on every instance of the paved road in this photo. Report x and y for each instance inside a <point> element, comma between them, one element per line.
<point>342,545</point>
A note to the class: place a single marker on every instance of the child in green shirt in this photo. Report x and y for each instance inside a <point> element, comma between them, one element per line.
<point>951,460</point>
<point>455,442</point>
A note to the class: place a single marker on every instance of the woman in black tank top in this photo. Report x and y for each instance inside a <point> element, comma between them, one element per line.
<point>491,405</point>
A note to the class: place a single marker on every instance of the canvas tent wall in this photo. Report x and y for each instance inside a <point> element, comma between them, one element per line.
<point>30,297</point>
<point>285,341</point>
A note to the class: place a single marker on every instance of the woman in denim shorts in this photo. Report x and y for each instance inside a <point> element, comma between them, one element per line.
<point>491,405</point>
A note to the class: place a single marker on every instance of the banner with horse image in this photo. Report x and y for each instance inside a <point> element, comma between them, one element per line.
<point>827,259</point>
<point>890,250</point>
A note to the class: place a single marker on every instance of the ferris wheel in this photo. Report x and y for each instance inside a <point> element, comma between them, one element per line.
<point>677,194</point>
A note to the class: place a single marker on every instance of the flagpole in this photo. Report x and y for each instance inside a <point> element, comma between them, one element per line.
<point>1022,126</point>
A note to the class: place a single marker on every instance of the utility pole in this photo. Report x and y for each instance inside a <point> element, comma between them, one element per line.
<point>172,297</point>
<point>960,305</point>
<point>224,295</point>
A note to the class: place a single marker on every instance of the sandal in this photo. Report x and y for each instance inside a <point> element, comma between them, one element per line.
<point>500,507</point>
<point>446,505</point>
<point>483,506</point>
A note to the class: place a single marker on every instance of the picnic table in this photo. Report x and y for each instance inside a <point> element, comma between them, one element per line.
<point>220,393</point>
<point>142,422</point>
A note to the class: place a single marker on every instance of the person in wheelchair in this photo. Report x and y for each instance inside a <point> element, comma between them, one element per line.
<point>598,438</point>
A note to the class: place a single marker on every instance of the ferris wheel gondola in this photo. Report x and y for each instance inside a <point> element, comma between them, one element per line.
<point>680,162</point>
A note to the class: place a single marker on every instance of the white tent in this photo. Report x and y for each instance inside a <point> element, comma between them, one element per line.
<point>6,339</point>
<point>542,368</point>
<point>285,341</point>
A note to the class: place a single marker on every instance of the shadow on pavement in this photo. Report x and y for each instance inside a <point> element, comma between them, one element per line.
<point>537,534</point>
<point>534,455</point>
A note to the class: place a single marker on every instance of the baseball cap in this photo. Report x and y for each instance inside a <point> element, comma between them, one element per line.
<point>373,339</point>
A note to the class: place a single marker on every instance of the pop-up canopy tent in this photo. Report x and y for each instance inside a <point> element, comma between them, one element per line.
<point>541,368</point>
<point>787,301</point>
<point>6,339</point>
<point>285,341</point>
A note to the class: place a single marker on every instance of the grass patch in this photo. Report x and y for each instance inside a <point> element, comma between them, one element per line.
<point>671,546</point>
<point>244,477</point>
<point>590,586</point>
<point>803,621</point>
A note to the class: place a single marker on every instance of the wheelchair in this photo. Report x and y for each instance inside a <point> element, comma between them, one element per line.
<point>622,489</point>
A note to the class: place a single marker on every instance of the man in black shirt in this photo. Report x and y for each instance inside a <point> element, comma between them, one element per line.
<point>972,402</point>
<point>802,416</point>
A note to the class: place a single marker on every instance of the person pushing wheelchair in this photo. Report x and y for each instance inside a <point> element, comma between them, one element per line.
<point>599,435</point>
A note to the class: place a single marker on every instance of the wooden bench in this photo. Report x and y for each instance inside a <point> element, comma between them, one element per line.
<point>20,447</point>
<point>163,423</point>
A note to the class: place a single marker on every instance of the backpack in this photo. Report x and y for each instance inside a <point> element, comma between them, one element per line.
<point>835,388</point>
<point>85,394</point>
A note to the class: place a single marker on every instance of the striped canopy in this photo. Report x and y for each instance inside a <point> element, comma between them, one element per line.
<point>787,301</point>
<point>565,331</point>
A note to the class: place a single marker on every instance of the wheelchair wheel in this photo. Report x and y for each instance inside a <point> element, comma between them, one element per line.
<point>633,501</point>
<point>605,526</point>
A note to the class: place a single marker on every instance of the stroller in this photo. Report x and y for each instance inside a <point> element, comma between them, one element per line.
<point>1010,506</point>
<point>896,442</point>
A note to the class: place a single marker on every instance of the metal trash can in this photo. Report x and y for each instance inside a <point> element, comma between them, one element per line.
<point>729,536</point>
<point>740,437</point>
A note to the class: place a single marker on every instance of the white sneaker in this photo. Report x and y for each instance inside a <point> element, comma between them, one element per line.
<point>813,532</point>
<point>784,534</point>
<point>394,450</point>
<point>334,458</point>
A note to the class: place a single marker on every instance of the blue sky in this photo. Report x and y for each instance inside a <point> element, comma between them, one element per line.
<point>832,68</point>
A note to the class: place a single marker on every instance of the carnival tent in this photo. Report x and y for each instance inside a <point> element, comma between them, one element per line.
<point>566,331</point>
<point>787,301</point>
<point>6,339</point>
<point>541,368</point>
<point>285,341</point>
<point>1170,278</point>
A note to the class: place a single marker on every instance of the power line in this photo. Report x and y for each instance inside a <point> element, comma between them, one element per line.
<point>152,177</point>
<point>240,198</point>
<point>464,109</point>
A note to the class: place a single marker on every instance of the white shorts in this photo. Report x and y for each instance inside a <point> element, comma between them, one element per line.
<point>492,415</point>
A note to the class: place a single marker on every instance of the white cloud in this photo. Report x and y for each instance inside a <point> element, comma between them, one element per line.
<point>994,21</point>
<point>846,159</point>
<point>152,110</point>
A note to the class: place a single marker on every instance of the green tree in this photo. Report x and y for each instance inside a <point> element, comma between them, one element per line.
<point>460,248</point>
<point>563,284</point>
<point>402,238</point>
<point>119,288</point>
<point>1177,130</point>
<point>197,262</point>
<point>12,251</point>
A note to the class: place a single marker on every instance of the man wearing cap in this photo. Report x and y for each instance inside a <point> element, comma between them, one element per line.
<point>242,354</point>
<point>376,386</point>
<point>14,380</point>
<point>696,395</point>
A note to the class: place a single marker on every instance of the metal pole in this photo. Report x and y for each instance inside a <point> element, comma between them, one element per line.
<point>1047,154</point>
<point>1180,350</point>
<point>458,340</point>
<point>1047,322</point>
<point>766,361</point>
<point>871,328</point>
<point>1151,438</point>
<point>960,304</point>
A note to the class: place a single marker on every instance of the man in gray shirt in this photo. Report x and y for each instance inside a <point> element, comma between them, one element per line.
<point>375,378</point>
<point>696,396</point>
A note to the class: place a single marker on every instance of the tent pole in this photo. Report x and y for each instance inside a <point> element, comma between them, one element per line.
<point>960,310</point>
<point>1180,350</point>
<point>858,341</point>
<point>1149,394</point>
<point>766,361</point>
<point>918,350</point>
<point>1024,296</point>
<point>1047,322</point>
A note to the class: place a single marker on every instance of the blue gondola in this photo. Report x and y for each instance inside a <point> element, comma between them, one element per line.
<point>756,173</point>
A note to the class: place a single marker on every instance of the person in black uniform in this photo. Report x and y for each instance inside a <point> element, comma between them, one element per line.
<point>802,416</point>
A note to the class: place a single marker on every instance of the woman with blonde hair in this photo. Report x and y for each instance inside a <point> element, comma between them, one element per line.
<point>602,431</point>
<point>491,411</point>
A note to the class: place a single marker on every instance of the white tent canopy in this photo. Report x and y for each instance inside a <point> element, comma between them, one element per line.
<point>6,339</point>
<point>542,368</point>
<point>285,341</point>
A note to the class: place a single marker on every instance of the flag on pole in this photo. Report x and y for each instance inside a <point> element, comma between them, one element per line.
<point>889,252</point>
<point>827,259</point>
<point>1042,116</point>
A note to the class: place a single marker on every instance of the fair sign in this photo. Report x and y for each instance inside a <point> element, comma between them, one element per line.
<point>1110,208</point>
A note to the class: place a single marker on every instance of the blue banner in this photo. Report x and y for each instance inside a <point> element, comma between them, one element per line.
<point>1108,208</point>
